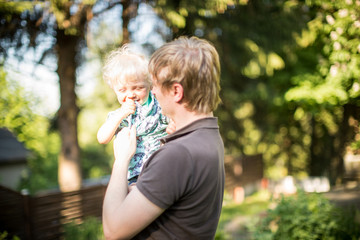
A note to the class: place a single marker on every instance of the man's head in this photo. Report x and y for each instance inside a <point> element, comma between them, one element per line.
<point>193,63</point>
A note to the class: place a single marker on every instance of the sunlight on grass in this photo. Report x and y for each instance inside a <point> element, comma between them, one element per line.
<point>238,218</point>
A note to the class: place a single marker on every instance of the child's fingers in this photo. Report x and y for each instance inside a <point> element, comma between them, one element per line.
<point>128,108</point>
<point>130,105</point>
<point>130,101</point>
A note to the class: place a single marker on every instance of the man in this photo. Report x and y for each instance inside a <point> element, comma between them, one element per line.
<point>179,192</point>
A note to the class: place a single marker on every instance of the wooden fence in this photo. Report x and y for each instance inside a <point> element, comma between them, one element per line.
<point>43,216</point>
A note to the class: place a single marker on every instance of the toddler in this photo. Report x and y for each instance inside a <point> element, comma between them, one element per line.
<point>127,74</point>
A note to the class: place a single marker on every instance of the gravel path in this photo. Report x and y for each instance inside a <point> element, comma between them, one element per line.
<point>345,196</point>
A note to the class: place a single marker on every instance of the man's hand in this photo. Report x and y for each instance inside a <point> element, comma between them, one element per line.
<point>125,144</point>
<point>126,211</point>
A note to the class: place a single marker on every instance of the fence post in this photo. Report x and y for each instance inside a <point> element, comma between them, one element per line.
<point>27,214</point>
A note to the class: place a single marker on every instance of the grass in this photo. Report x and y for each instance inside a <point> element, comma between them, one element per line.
<point>241,221</point>
<point>238,219</point>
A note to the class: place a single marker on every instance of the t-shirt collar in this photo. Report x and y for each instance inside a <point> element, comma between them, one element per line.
<point>149,99</point>
<point>209,122</point>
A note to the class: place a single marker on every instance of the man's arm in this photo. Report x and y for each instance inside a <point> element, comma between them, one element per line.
<point>125,215</point>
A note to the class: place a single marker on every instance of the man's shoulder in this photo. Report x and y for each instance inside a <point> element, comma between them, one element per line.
<point>172,150</point>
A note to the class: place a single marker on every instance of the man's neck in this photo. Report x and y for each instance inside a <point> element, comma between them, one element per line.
<point>187,117</point>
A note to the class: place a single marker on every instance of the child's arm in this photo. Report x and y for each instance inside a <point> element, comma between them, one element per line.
<point>108,129</point>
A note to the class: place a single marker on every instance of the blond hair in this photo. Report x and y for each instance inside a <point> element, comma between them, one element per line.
<point>124,66</point>
<point>194,63</point>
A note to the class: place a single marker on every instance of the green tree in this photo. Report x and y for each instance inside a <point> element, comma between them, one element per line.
<point>290,73</point>
<point>64,25</point>
<point>254,40</point>
<point>17,115</point>
<point>328,91</point>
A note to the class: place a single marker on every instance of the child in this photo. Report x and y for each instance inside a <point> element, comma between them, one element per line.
<point>127,74</point>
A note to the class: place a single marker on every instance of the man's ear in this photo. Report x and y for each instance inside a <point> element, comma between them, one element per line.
<point>178,92</point>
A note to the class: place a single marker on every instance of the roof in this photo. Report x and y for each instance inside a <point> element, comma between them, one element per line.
<point>11,150</point>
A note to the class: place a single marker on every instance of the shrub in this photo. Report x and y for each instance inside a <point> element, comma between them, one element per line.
<point>5,236</point>
<point>90,229</point>
<point>308,216</point>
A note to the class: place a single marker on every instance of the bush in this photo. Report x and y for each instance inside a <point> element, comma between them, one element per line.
<point>5,236</point>
<point>308,216</point>
<point>90,229</point>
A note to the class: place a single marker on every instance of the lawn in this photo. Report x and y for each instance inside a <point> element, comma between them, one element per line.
<point>238,219</point>
<point>309,216</point>
<point>299,216</point>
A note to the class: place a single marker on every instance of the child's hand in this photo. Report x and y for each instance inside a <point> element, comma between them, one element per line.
<point>128,107</point>
<point>171,127</point>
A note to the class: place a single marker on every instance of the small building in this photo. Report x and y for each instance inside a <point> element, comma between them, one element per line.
<point>13,159</point>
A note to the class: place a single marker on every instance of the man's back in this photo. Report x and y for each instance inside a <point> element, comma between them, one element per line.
<point>186,177</point>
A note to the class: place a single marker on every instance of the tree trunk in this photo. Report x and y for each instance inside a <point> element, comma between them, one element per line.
<point>318,158</point>
<point>346,134</point>
<point>129,11</point>
<point>69,171</point>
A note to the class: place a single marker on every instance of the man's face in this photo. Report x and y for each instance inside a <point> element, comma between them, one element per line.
<point>160,95</point>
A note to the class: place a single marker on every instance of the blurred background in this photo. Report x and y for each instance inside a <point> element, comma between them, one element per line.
<point>290,87</point>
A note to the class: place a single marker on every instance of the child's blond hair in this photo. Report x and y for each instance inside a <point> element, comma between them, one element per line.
<point>124,66</point>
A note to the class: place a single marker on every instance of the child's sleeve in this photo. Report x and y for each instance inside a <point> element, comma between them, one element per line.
<point>164,120</point>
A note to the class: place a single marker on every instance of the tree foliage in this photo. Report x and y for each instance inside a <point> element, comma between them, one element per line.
<point>64,24</point>
<point>290,70</point>
<point>290,77</point>
<point>328,92</point>
<point>17,115</point>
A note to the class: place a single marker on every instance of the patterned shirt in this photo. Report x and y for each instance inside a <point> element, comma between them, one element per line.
<point>150,128</point>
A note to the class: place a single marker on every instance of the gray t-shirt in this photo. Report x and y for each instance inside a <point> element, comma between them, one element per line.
<point>186,177</point>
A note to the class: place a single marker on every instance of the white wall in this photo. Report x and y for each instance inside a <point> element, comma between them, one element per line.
<point>10,175</point>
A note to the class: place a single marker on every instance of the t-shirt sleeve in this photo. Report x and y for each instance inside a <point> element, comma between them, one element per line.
<point>166,176</point>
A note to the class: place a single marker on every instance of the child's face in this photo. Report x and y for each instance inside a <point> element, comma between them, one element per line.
<point>137,91</point>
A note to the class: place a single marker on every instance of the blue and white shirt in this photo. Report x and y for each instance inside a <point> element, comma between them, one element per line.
<point>150,128</point>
